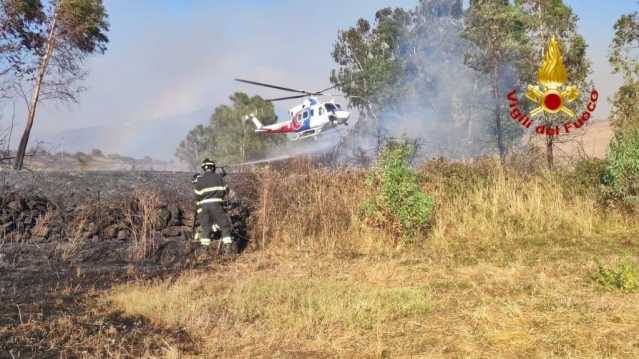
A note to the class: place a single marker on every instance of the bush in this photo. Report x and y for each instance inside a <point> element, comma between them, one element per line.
<point>395,201</point>
<point>621,173</point>
<point>585,178</point>
<point>624,276</point>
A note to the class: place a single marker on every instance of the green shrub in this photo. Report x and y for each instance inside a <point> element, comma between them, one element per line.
<point>621,173</point>
<point>624,275</point>
<point>585,178</point>
<point>395,201</point>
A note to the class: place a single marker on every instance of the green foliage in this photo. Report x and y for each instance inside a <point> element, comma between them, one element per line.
<point>624,48</point>
<point>624,275</point>
<point>81,27</point>
<point>368,59</point>
<point>624,58</point>
<point>496,29</point>
<point>396,202</point>
<point>228,137</point>
<point>84,25</point>
<point>624,114</point>
<point>621,174</point>
<point>409,64</point>
<point>544,19</point>
<point>197,145</point>
<point>585,178</point>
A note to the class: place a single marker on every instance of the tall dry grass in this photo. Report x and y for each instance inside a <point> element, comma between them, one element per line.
<point>505,272</point>
<point>478,205</point>
<point>309,208</point>
<point>142,218</point>
<point>484,205</point>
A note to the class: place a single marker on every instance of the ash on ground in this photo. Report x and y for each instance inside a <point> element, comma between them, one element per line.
<point>88,231</point>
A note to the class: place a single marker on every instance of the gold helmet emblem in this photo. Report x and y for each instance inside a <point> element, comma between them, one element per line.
<point>552,96</point>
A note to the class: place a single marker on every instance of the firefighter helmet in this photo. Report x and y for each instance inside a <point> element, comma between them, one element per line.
<point>208,164</point>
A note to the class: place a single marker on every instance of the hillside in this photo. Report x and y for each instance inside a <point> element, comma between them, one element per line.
<point>591,142</point>
<point>93,161</point>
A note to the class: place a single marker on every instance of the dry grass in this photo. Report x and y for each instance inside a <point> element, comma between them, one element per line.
<point>76,232</point>
<point>308,208</point>
<point>506,272</point>
<point>41,228</point>
<point>494,210</point>
<point>141,216</point>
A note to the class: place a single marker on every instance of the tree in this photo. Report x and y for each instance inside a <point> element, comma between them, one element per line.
<point>369,63</point>
<point>624,58</point>
<point>621,172</point>
<point>405,73</point>
<point>55,39</point>
<point>544,19</point>
<point>228,137</point>
<point>196,146</point>
<point>16,17</point>
<point>497,31</point>
<point>449,95</point>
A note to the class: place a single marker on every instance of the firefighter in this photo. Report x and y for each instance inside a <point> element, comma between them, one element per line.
<point>211,190</point>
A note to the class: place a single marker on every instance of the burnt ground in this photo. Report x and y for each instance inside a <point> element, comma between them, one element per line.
<point>61,248</point>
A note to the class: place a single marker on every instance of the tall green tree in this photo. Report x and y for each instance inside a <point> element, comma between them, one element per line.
<point>544,19</point>
<point>229,138</point>
<point>55,39</point>
<point>497,30</point>
<point>196,146</point>
<point>621,173</point>
<point>370,65</point>
<point>405,73</point>
<point>624,58</point>
<point>436,82</point>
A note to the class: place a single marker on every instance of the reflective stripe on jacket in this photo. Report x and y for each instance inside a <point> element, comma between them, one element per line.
<point>209,188</point>
<point>209,200</point>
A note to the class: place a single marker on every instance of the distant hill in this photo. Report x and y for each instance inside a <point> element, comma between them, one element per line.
<point>591,141</point>
<point>155,138</point>
<point>92,161</point>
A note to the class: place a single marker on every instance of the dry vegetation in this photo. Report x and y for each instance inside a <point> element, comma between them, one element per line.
<point>506,271</point>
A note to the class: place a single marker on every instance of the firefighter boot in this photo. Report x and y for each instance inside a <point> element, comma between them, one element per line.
<point>229,247</point>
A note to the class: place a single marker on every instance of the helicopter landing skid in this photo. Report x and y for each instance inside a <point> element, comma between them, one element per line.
<point>307,134</point>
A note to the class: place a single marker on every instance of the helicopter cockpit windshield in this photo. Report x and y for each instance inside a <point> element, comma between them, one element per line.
<point>331,107</point>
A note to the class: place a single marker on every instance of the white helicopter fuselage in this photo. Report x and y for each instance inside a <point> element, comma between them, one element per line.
<point>307,119</point>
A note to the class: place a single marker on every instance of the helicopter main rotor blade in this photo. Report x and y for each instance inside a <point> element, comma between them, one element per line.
<point>337,85</point>
<point>275,86</point>
<point>285,98</point>
<point>326,89</point>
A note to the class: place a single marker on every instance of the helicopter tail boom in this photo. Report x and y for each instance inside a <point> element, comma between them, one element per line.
<point>256,122</point>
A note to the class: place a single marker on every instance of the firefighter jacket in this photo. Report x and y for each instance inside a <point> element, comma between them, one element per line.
<point>209,188</point>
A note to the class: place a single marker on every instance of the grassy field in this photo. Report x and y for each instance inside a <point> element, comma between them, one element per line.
<point>511,267</point>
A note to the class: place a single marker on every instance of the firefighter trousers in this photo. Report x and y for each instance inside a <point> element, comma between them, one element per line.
<point>210,214</point>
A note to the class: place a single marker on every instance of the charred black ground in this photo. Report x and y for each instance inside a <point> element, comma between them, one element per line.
<point>65,237</point>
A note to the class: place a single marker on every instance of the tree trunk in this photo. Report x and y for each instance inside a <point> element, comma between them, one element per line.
<point>550,155</point>
<point>500,135</point>
<point>42,69</point>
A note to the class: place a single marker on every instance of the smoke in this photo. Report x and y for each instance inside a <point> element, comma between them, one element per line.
<point>438,103</point>
<point>324,143</point>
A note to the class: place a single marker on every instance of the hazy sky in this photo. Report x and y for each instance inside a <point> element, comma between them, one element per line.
<point>172,57</point>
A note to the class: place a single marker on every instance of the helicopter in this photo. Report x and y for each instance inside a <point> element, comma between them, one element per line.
<point>308,119</point>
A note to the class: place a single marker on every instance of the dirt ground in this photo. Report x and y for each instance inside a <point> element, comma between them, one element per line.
<point>50,307</point>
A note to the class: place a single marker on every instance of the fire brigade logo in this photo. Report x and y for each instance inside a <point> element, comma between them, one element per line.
<point>297,121</point>
<point>552,95</point>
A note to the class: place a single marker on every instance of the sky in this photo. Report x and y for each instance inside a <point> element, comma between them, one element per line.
<point>169,63</point>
